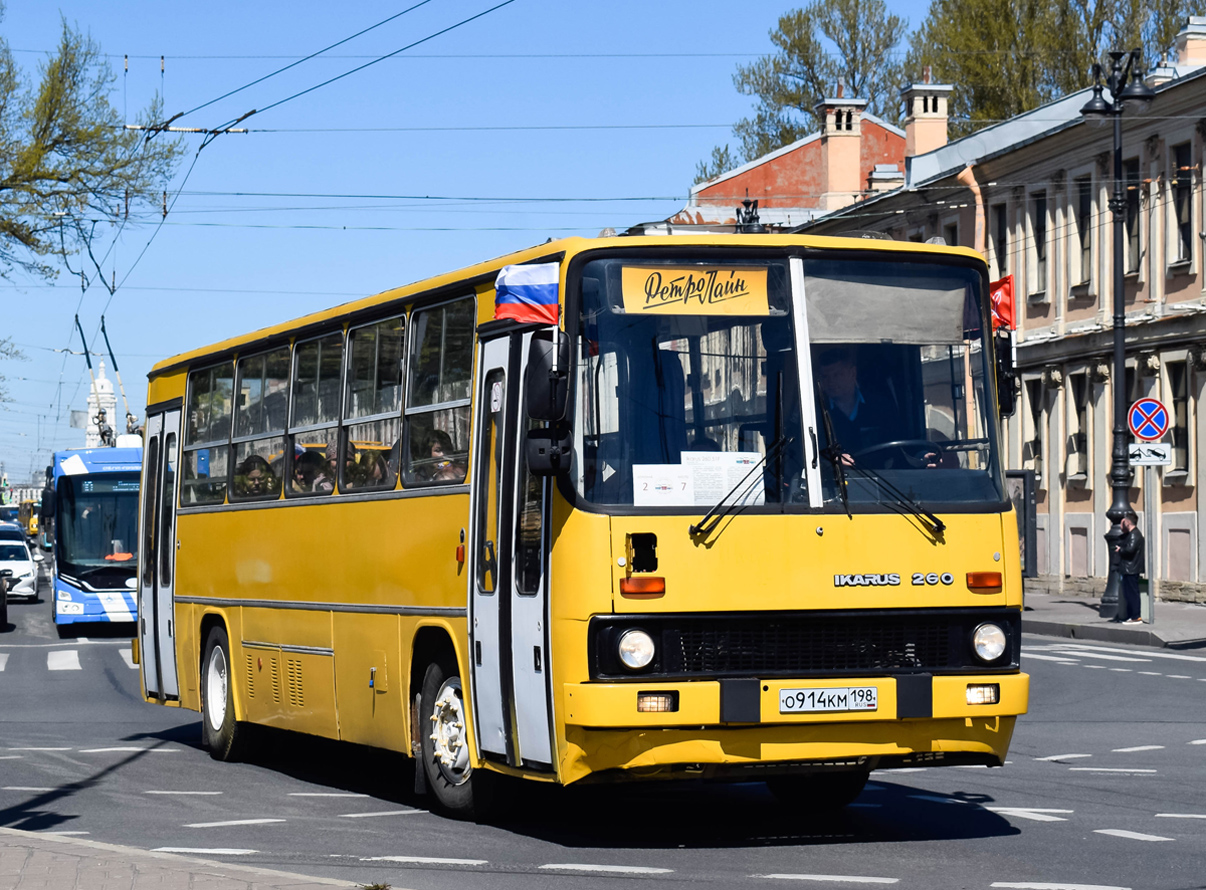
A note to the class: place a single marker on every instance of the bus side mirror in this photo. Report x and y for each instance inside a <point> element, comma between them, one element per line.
<point>1007,377</point>
<point>548,376</point>
<point>548,450</point>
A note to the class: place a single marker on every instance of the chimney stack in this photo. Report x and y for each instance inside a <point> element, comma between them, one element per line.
<point>925,115</point>
<point>841,149</point>
<point>1190,44</point>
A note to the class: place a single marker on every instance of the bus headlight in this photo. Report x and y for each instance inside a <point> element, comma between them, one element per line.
<point>989,642</point>
<point>636,649</point>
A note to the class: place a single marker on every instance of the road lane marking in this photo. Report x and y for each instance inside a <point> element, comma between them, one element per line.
<point>128,749</point>
<point>1181,815</point>
<point>11,757</point>
<point>1063,757</point>
<point>3,660</point>
<point>206,793</point>
<point>231,822</point>
<point>1179,676</point>
<point>834,879</point>
<point>68,749</point>
<point>1094,667</point>
<point>127,655</point>
<point>382,813</point>
<point>1133,835</point>
<point>1124,670</point>
<point>608,869</point>
<point>1151,673</point>
<point>325,794</point>
<point>1039,885</point>
<point>934,798</point>
<point>1137,748</point>
<point>1106,769</point>
<point>907,769</point>
<point>425,860</point>
<point>1047,658</point>
<point>1034,814</point>
<point>1194,742</point>
<point>1078,648</point>
<point>26,788</point>
<point>1081,653</point>
<point>205,851</point>
<point>72,833</point>
<point>63,660</point>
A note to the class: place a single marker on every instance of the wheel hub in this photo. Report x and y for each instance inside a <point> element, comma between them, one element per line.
<point>450,748</point>
<point>215,689</point>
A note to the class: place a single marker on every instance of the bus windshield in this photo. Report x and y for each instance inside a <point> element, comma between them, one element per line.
<point>689,385</point>
<point>98,528</point>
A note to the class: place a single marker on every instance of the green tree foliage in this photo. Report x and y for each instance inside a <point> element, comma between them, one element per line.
<point>852,42</point>
<point>68,168</point>
<point>1005,57</point>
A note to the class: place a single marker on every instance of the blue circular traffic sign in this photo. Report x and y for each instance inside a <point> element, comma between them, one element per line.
<point>1148,419</point>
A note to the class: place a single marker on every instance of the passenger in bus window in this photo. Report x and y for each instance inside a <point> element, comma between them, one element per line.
<point>255,478</point>
<point>440,467</point>
<point>307,467</point>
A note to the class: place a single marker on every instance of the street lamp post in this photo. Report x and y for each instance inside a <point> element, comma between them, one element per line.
<point>1127,90</point>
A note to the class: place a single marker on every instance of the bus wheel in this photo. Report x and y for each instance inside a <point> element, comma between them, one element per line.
<point>827,791</point>
<point>225,738</point>
<point>459,791</point>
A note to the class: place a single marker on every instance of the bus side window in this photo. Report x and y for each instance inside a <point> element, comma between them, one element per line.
<point>437,401</point>
<point>207,435</point>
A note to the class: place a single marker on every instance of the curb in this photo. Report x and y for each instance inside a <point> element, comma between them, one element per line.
<point>1106,633</point>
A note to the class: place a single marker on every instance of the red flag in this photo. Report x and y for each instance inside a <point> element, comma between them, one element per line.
<point>1001,295</point>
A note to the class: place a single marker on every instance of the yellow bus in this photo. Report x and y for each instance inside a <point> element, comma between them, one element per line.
<point>28,517</point>
<point>719,506</point>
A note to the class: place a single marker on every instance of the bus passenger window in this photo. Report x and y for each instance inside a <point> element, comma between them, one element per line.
<point>373,398</point>
<point>263,401</point>
<point>314,425</point>
<point>437,404</point>
<point>207,435</point>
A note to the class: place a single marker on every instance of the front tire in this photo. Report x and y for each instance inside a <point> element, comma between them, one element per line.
<point>460,791</point>
<point>820,791</point>
<point>225,737</point>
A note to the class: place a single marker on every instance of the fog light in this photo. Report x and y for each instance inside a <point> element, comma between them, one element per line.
<point>989,642</point>
<point>657,702</point>
<point>636,649</point>
<point>983,693</point>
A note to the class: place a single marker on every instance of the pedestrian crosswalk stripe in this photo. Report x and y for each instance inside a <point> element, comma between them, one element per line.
<point>127,655</point>
<point>3,660</point>
<point>63,660</point>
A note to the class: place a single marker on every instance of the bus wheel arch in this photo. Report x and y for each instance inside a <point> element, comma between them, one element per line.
<point>440,738</point>
<point>224,735</point>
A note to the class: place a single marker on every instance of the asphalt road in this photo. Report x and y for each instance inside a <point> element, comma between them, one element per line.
<point>1106,787</point>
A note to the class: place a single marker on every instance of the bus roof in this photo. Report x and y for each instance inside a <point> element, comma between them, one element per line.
<point>78,462</point>
<point>564,247</point>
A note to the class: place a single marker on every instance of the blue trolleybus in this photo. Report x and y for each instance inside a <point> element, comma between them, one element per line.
<point>95,509</point>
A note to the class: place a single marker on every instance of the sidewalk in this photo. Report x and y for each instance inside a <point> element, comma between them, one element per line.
<point>1177,625</point>
<point>35,861</point>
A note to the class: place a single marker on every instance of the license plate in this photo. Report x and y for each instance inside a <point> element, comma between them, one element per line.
<point>843,698</point>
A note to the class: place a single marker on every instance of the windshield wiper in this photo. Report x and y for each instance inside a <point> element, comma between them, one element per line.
<point>937,526</point>
<point>723,508</point>
<point>833,451</point>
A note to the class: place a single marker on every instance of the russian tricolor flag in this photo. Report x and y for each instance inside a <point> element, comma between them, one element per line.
<point>528,293</point>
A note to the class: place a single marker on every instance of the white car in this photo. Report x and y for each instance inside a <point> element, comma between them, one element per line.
<point>15,556</point>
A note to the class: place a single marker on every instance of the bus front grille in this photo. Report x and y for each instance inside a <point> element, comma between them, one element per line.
<point>801,644</point>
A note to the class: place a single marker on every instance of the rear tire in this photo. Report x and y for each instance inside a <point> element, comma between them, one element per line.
<point>459,790</point>
<point>820,791</point>
<point>3,606</point>
<point>226,738</point>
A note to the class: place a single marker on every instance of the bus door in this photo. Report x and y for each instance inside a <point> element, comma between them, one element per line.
<point>157,532</point>
<point>508,613</point>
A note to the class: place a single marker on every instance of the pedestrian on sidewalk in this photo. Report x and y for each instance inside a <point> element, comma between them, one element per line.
<point>1130,567</point>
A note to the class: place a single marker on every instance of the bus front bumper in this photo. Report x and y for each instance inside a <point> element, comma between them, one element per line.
<point>72,606</point>
<point>605,731</point>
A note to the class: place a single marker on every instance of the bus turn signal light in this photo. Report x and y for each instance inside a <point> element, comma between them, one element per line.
<point>657,702</point>
<point>645,587</point>
<point>984,580</point>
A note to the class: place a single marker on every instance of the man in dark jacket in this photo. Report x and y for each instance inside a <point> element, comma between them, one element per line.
<point>1130,567</point>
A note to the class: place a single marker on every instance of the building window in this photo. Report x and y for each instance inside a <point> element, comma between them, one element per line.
<point>1000,240</point>
<point>1130,175</point>
<point>1178,390</point>
<point>950,233</point>
<point>1038,226</point>
<point>1032,448</point>
<point>1077,465</point>
<point>1182,186</point>
<point>1083,261</point>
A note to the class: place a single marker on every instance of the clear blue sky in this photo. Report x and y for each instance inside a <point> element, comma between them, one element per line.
<point>223,263</point>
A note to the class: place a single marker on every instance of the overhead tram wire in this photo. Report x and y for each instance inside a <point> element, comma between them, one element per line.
<point>303,59</point>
